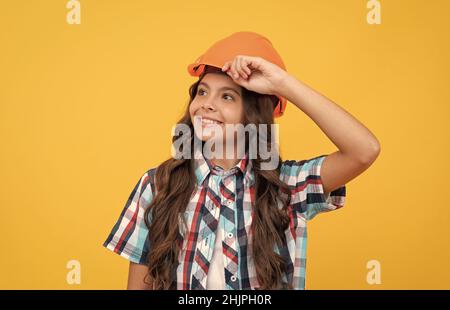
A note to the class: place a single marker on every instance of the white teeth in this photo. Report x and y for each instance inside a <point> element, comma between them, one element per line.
<point>208,121</point>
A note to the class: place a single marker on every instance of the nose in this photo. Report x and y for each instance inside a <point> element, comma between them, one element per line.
<point>209,104</point>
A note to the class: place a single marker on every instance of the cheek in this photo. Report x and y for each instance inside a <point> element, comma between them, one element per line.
<point>234,114</point>
<point>193,106</point>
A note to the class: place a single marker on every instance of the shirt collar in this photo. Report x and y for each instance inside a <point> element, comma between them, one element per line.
<point>204,166</point>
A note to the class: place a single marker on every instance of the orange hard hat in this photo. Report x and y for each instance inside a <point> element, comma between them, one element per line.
<point>240,43</point>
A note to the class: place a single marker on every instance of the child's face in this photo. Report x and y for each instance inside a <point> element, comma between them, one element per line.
<point>218,99</point>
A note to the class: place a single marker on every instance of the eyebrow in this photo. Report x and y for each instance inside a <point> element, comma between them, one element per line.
<point>222,88</point>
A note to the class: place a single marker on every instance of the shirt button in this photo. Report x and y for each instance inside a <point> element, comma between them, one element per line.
<point>233,278</point>
<point>230,235</point>
<point>227,202</point>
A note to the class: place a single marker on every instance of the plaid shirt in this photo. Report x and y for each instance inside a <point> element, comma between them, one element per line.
<point>222,207</point>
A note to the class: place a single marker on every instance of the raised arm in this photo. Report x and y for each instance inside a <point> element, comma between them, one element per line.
<point>358,147</point>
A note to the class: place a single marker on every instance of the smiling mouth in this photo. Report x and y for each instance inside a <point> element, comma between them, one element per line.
<point>207,121</point>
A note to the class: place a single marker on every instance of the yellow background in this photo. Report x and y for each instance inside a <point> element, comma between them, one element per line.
<point>87,109</point>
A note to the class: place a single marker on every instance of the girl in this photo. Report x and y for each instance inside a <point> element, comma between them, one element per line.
<point>226,222</point>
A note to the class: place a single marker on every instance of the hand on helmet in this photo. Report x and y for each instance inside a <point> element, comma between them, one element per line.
<point>255,74</point>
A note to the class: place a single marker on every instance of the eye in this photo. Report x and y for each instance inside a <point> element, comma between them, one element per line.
<point>228,95</point>
<point>225,95</point>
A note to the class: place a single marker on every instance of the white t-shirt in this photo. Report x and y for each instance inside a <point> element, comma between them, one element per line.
<point>216,277</point>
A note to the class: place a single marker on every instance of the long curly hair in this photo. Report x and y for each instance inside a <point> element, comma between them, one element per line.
<point>173,194</point>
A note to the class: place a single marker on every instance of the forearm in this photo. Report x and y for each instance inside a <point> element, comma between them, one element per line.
<point>136,277</point>
<point>349,135</point>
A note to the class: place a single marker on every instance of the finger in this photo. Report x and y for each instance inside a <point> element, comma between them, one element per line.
<point>240,68</point>
<point>245,65</point>
<point>234,72</point>
<point>226,66</point>
<point>230,70</point>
